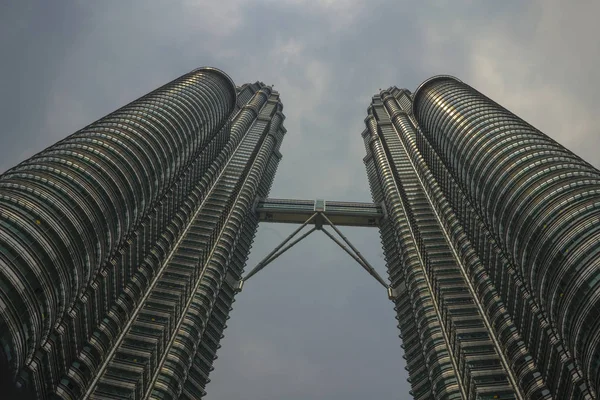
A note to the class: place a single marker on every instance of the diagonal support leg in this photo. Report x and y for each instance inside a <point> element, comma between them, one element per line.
<point>352,251</point>
<point>363,262</point>
<point>278,250</point>
<point>266,261</point>
<point>366,267</point>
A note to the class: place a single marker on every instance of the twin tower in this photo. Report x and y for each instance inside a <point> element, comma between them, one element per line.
<point>123,245</point>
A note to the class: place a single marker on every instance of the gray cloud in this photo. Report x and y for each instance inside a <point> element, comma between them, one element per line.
<point>313,324</point>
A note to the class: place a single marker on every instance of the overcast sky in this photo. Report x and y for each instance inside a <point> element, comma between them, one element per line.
<point>313,325</point>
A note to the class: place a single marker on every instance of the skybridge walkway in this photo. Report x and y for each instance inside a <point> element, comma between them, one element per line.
<point>340,213</point>
<point>322,215</point>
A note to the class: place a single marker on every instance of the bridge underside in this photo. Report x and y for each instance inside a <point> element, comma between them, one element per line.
<point>319,213</point>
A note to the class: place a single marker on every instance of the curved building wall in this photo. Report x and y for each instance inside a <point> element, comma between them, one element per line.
<point>66,210</point>
<point>482,342</point>
<point>172,323</point>
<point>521,371</point>
<point>540,202</point>
<point>533,330</point>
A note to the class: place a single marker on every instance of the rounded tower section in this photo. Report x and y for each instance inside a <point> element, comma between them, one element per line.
<point>66,210</point>
<point>541,202</point>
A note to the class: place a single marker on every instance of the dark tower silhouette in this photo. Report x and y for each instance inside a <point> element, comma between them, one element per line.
<point>121,244</point>
<point>492,245</point>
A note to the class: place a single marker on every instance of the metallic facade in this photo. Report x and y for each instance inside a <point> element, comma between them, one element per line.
<point>121,245</point>
<point>492,246</point>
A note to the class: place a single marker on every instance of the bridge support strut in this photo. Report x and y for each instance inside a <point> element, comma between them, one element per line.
<point>319,219</point>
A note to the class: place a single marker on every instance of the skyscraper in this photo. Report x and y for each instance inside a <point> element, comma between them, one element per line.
<point>121,245</point>
<point>492,245</point>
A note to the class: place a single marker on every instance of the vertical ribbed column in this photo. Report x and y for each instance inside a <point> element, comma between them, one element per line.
<point>427,335</point>
<point>65,211</point>
<point>400,271</point>
<point>190,354</point>
<point>185,299</point>
<point>533,332</point>
<point>540,201</point>
<point>495,322</point>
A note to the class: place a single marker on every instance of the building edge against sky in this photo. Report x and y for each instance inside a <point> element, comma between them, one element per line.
<point>541,205</point>
<point>122,244</point>
<point>491,245</point>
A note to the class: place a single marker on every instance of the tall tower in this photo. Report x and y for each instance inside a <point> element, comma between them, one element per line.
<point>121,245</point>
<point>492,246</point>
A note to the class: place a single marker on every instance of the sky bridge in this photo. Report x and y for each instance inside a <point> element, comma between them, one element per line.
<point>322,215</point>
<point>340,213</point>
